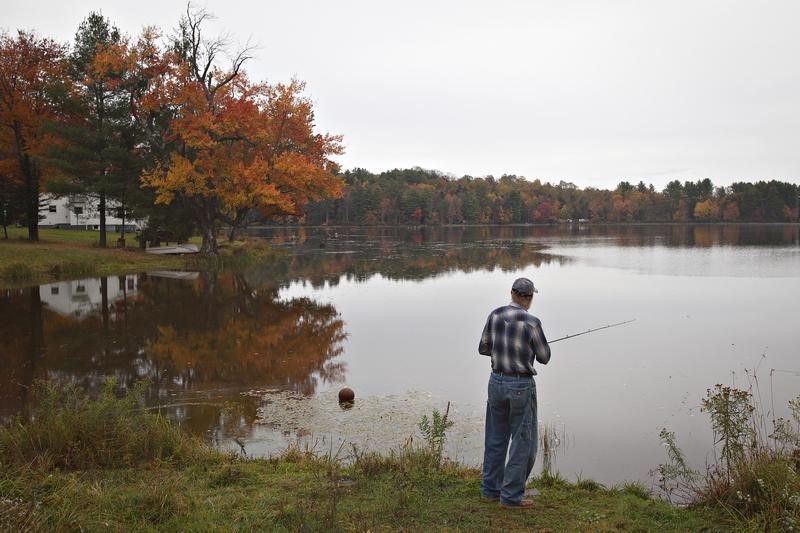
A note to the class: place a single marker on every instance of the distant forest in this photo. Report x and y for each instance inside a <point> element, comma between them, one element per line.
<point>419,196</point>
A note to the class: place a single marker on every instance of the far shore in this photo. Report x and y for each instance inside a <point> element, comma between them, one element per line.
<point>523,225</point>
<point>63,254</point>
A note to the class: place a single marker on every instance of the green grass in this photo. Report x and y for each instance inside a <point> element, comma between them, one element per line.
<point>66,236</point>
<point>227,493</point>
<point>78,464</point>
<point>66,254</point>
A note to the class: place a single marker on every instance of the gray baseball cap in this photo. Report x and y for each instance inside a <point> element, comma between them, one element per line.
<point>523,286</point>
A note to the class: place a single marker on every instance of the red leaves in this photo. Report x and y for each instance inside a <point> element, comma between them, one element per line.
<point>249,146</point>
<point>30,68</point>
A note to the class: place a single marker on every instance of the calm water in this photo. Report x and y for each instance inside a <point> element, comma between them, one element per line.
<point>396,314</point>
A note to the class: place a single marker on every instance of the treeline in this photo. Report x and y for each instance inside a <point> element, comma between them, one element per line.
<point>418,196</point>
<point>169,129</point>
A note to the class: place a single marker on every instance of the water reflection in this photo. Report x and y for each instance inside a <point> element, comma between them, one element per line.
<point>202,338</point>
<point>396,310</point>
<point>218,333</point>
<point>690,235</point>
<point>326,257</point>
<point>21,346</point>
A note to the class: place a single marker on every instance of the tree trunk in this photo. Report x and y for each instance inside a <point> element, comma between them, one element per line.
<point>122,231</point>
<point>31,176</point>
<point>237,223</point>
<point>102,218</point>
<point>207,223</point>
<point>209,246</point>
<point>32,202</point>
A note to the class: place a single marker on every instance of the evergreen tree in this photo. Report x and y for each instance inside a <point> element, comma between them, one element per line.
<point>97,140</point>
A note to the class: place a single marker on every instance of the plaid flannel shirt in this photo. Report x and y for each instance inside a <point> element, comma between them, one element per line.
<point>514,338</point>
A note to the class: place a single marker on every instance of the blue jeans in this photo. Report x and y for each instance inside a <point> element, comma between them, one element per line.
<point>510,415</point>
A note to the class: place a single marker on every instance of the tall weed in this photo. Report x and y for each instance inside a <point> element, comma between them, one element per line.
<point>68,430</point>
<point>675,478</point>
<point>754,475</point>
<point>434,431</point>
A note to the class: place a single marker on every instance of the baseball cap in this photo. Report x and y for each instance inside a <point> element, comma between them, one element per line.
<point>523,286</point>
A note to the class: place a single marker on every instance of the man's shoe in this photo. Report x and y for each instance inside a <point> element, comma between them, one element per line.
<point>489,499</point>
<point>523,504</point>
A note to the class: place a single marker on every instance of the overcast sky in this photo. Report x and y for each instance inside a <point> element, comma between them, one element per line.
<point>586,91</point>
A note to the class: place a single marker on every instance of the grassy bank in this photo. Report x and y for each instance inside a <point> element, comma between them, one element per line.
<point>70,254</point>
<point>66,254</point>
<point>109,464</point>
<point>295,492</point>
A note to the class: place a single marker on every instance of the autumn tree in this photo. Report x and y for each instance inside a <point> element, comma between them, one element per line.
<point>708,209</point>
<point>236,146</point>
<point>31,88</point>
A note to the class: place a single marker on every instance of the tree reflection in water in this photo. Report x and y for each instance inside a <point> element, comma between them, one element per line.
<point>205,341</point>
<point>21,346</point>
<point>199,343</point>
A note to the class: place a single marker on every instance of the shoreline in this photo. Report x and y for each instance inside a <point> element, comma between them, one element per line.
<point>62,255</point>
<point>106,463</point>
<point>520,225</point>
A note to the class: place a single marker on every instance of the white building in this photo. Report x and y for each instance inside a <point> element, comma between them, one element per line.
<point>81,212</point>
<point>80,298</point>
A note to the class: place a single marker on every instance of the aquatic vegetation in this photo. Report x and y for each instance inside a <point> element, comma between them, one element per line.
<point>319,422</point>
<point>551,441</point>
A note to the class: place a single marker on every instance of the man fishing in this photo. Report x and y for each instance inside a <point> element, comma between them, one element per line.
<point>513,338</point>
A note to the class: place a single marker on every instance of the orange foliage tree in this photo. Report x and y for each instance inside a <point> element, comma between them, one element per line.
<point>236,146</point>
<point>708,209</point>
<point>31,83</point>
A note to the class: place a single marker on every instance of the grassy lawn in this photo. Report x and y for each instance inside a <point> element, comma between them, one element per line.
<point>65,254</point>
<point>302,493</point>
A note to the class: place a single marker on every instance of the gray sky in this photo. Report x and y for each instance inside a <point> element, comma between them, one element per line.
<point>586,91</point>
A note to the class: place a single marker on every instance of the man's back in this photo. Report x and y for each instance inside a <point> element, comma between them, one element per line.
<point>513,337</point>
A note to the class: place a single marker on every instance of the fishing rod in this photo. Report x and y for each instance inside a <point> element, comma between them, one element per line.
<point>591,330</point>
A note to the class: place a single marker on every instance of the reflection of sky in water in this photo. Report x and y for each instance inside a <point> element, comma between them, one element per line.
<point>703,316</point>
<point>716,261</point>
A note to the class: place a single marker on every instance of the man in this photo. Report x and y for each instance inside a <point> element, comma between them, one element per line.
<point>513,338</point>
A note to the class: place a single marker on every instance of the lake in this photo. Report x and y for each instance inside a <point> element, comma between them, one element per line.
<point>258,355</point>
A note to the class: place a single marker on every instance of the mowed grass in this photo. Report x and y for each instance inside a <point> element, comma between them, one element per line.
<point>65,254</point>
<point>80,464</point>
